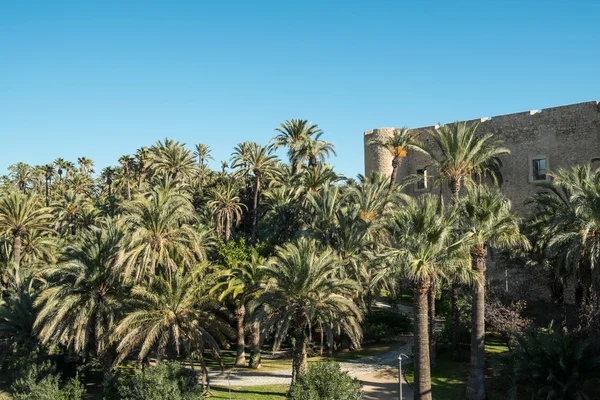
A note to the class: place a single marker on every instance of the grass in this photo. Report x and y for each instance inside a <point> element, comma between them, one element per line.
<point>267,392</point>
<point>449,377</point>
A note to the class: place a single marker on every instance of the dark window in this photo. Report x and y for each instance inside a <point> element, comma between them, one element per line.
<point>422,183</point>
<point>539,169</point>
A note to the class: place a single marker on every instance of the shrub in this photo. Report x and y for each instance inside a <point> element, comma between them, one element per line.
<point>377,332</point>
<point>326,381</point>
<point>38,382</point>
<point>165,381</point>
<point>550,364</point>
<point>399,323</point>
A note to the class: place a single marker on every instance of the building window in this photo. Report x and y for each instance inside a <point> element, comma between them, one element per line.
<point>422,183</point>
<point>538,169</point>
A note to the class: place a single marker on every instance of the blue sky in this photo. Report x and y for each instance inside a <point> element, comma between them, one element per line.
<point>102,78</point>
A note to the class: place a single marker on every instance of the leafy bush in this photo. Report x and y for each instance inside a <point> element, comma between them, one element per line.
<point>165,381</point>
<point>377,332</point>
<point>399,323</point>
<point>326,381</point>
<point>39,382</point>
<point>550,364</point>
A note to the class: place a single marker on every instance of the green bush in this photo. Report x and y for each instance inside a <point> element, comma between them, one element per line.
<point>165,381</point>
<point>326,381</point>
<point>550,364</point>
<point>38,382</point>
<point>399,323</point>
<point>377,332</point>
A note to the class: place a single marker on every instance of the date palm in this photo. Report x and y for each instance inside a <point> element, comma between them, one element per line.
<point>20,215</point>
<point>226,208</point>
<point>17,317</point>
<point>127,162</point>
<point>49,174</point>
<point>172,313</point>
<point>61,165</point>
<point>303,287</point>
<point>83,298</point>
<point>21,173</point>
<point>397,144</point>
<point>85,165</point>
<point>425,251</point>
<point>241,285</point>
<point>203,154</point>
<point>162,235</point>
<point>170,158</point>
<point>314,150</point>
<point>460,155</point>
<point>258,161</point>
<point>485,214</point>
<point>291,134</point>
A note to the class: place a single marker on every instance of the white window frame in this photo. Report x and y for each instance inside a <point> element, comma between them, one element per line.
<point>539,157</point>
<point>426,178</point>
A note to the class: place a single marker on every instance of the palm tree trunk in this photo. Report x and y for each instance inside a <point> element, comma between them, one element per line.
<point>255,209</point>
<point>128,188</point>
<point>300,360</point>
<point>432,344</point>
<point>455,185</point>
<point>240,359</point>
<point>17,251</point>
<point>47,203</point>
<point>476,381</point>
<point>227,228</point>
<point>255,357</point>
<point>395,168</point>
<point>422,387</point>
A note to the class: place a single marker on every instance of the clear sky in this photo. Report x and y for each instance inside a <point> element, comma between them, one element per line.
<point>102,78</point>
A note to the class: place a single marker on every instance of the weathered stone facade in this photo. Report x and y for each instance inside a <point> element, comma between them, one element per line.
<point>562,136</point>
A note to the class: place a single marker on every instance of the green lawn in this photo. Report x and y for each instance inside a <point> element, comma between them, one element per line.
<point>270,392</point>
<point>449,377</point>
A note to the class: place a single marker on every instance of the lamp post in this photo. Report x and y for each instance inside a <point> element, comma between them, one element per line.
<point>400,375</point>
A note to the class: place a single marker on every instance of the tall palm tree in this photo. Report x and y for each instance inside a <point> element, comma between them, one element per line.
<point>162,235</point>
<point>485,214</point>
<point>241,285</point>
<point>226,208</point>
<point>397,145</point>
<point>49,174</point>
<point>85,165</point>
<point>67,210</point>
<point>426,250</point>
<point>175,313</point>
<point>21,173</point>
<point>291,134</point>
<point>314,150</point>
<point>304,286</point>
<point>203,154</point>
<point>17,317</point>
<point>83,298</point>
<point>141,164</point>
<point>108,174</point>
<point>60,164</point>
<point>170,158</point>
<point>261,163</point>
<point>20,215</point>
<point>127,162</point>
<point>460,155</point>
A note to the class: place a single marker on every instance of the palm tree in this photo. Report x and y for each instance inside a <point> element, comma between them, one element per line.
<point>60,164</point>
<point>314,150</point>
<point>20,215</point>
<point>460,155</point>
<point>67,210</point>
<point>108,174</point>
<point>303,287</point>
<point>241,285</point>
<point>170,158</point>
<point>485,215</point>
<point>21,173</point>
<point>17,316</point>
<point>162,235</point>
<point>259,161</point>
<point>85,165</point>
<point>291,134</point>
<point>83,298</point>
<point>423,236</point>
<point>397,145</point>
<point>174,313</point>
<point>127,161</point>
<point>226,209</point>
<point>49,174</point>
<point>141,165</point>
<point>203,154</point>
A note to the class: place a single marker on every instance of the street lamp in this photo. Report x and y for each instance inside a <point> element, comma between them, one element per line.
<point>400,375</point>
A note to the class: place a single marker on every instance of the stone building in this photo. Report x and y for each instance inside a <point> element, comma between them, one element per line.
<point>539,141</point>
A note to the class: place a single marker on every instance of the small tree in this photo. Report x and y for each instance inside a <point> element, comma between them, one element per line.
<point>326,381</point>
